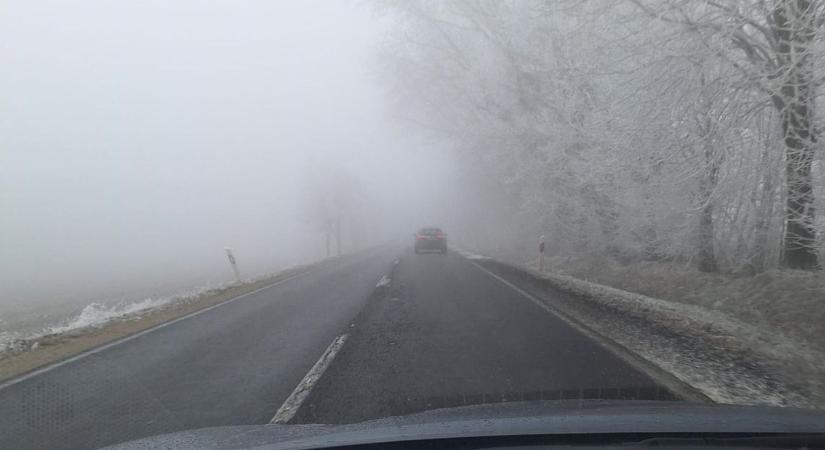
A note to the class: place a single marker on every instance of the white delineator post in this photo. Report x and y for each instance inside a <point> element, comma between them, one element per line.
<point>541,254</point>
<point>233,263</point>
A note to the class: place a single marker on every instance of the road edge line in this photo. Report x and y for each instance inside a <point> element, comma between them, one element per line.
<point>638,362</point>
<point>293,403</point>
<point>92,351</point>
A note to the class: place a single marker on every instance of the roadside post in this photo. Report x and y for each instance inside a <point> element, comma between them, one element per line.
<point>541,254</point>
<point>234,264</point>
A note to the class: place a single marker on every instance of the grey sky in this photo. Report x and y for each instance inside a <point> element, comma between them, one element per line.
<point>137,139</point>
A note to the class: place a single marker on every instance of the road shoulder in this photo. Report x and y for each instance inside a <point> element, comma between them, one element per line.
<point>51,349</point>
<point>707,352</point>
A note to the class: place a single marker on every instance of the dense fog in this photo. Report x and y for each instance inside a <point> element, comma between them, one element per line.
<point>277,214</point>
<point>139,139</point>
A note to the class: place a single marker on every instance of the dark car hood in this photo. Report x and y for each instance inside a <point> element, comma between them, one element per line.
<point>507,419</point>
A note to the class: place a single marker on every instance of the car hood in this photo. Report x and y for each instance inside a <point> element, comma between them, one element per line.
<point>505,419</point>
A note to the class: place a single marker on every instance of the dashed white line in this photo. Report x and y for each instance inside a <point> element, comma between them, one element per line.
<point>384,281</point>
<point>293,403</point>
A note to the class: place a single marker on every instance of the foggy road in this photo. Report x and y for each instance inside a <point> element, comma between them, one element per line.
<point>445,334</point>
<point>438,332</point>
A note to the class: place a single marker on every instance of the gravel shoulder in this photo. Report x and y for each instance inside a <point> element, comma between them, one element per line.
<point>723,356</point>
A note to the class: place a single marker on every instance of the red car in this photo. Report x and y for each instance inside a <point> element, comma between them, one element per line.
<point>431,239</point>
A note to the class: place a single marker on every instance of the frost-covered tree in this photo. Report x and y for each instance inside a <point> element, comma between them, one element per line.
<point>777,45</point>
<point>635,129</point>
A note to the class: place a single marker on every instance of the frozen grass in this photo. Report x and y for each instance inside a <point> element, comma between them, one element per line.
<point>790,302</point>
<point>751,340</point>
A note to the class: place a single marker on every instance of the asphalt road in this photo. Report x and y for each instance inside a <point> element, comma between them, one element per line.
<point>440,333</point>
<point>445,333</point>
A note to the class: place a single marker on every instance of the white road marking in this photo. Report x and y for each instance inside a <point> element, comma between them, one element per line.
<point>384,281</point>
<point>538,302</point>
<point>638,362</point>
<point>130,337</point>
<point>468,254</point>
<point>291,405</point>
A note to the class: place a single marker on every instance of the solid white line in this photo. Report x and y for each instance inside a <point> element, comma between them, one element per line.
<point>291,405</point>
<point>633,359</point>
<point>130,337</point>
<point>533,299</point>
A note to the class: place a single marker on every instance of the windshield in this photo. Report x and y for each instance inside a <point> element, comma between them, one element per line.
<point>328,212</point>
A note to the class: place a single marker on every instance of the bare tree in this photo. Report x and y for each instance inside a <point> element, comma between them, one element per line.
<point>336,200</point>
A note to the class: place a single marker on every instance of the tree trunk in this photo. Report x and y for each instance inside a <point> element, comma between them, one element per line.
<point>794,29</point>
<point>707,257</point>
<point>338,235</point>
<point>764,216</point>
<point>707,184</point>
<point>800,234</point>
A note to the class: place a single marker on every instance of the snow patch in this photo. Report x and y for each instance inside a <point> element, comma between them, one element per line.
<point>98,314</point>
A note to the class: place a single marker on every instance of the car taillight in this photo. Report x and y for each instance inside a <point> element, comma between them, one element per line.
<point>419,237</point>
<point>440,236</point>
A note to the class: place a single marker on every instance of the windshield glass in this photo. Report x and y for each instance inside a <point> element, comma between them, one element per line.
<point>328,212</point>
